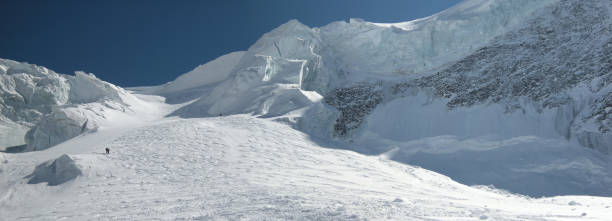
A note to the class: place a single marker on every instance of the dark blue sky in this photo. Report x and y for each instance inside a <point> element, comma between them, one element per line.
<point>150,42</point>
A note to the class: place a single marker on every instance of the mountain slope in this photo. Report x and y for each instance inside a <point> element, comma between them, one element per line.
<point>342,54</point>
<point>489,78</point>
<point>559,61</point>
<point>241,167</point>
<point>490,92</point>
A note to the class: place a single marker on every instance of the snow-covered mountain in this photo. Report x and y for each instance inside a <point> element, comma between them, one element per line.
<point>295,57</point>
<point>531,73</point>
<point>514,94</point>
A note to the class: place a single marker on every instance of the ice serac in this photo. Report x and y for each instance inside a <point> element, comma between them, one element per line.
<point>41,108</point>
<point>27,93</point>
<point>91,103</point>
<point>55,172</point>
<point>268,75</point>
<point>59,126</point>
<point>548,76</point>
<point>344,54</point>
<point>524,105</point>
<point>423,45</point>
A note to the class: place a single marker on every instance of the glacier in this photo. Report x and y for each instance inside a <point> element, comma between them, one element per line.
<point>41,108</point>
<point>452,54</point>
<point>482,71</point>
<point>341,53</point>
<point>512,95</point>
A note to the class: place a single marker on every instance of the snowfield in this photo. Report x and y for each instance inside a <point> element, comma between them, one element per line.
<point>449,117</point>
<point>243,167</point>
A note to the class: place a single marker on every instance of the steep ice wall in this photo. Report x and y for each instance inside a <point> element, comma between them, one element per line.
<point>59,126</point>
<point>548,77</point>
<point>343,54</point>
<point>559,60</point>
<point>27,93</point>
<point>423,45</point>
<point>516,113</point>
<point>92,103</point>
<point>268,73</point>
<point>11,134</point>
<point>51,107</point>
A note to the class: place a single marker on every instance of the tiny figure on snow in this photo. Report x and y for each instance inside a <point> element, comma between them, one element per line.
<point>107,150</point>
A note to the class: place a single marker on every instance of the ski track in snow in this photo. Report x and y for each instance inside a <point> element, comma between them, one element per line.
<point>241,167</point>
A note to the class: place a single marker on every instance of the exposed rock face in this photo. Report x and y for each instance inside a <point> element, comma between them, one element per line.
<point>55,172</point>
<point>559,59</point>
<point>566,45</point>
<point>354,104</point>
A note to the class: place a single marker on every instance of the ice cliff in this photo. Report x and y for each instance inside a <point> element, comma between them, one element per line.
<point>294,57</point>
<point>533,67</point>
<point>41,108</point>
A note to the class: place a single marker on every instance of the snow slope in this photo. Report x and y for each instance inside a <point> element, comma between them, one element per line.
<point>196,82</point>
<point>206,74</point>
<point>473,92</point>
<point>242,167</point>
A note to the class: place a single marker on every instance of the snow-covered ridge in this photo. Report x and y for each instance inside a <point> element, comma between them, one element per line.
<point>342,54</point>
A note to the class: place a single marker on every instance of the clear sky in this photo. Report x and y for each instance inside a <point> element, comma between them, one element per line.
<point>150,42</point>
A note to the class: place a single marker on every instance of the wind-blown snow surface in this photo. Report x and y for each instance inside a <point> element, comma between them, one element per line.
<point>242,167</point>
<point>415,93</point>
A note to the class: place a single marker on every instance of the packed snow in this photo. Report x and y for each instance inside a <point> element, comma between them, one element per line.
<point>350,121</point>
<point>242,167</point>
